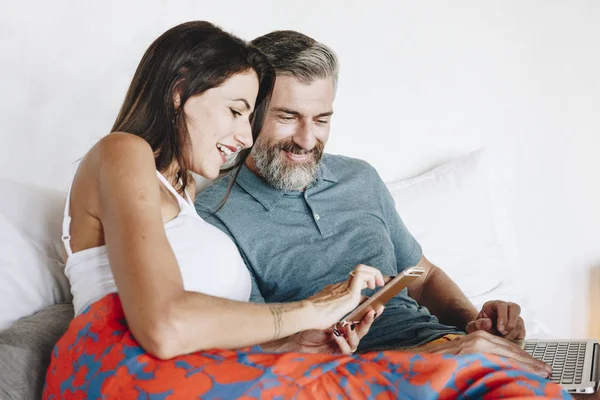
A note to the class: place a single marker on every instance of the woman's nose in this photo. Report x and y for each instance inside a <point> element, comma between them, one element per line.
<point>244,136</point>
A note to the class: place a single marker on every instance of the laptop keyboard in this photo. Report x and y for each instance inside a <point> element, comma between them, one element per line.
<point>566,359</point>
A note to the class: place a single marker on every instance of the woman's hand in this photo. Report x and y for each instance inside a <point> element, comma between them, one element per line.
<point>328,341</point>
<point>337,339</point>
<point>335,301</point>
<point>326,309</point>
<point>348,337</point>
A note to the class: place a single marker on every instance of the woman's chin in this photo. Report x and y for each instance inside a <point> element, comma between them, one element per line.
<point>210,173</point>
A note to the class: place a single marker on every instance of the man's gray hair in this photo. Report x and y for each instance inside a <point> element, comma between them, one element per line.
<point>295,54</point>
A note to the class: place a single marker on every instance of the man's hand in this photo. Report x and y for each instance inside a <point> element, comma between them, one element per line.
<point>483,342</point>
<point>499,318</point>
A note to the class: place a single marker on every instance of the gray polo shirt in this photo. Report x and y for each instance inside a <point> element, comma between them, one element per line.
<point>296,243</point>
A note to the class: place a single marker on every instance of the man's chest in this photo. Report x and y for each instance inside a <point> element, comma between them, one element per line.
<point>299,249</point>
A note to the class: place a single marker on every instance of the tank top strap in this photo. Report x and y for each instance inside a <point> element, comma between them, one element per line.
<point>171,189</point>
<point>188,198</point>
<point>66,225</point>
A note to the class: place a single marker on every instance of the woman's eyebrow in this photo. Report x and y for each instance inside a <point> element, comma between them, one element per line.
<point>246,104</point>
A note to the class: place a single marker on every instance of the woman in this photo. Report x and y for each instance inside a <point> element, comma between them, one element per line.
<point>157,290</point>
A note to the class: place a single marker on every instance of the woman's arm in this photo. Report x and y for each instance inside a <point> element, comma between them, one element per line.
<point>166,319</point>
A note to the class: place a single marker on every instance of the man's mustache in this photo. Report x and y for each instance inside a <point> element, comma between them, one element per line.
<point>295,149</point>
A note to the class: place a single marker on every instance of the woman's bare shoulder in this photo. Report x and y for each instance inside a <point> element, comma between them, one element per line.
<point>115,153</point>
<point>117,160</point>
<point>107,164</point>
<point>121,143</point>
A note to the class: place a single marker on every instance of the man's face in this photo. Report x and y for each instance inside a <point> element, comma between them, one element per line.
<point>296,128</point>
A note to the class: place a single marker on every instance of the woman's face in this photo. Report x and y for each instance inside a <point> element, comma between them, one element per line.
<point>218,122</point>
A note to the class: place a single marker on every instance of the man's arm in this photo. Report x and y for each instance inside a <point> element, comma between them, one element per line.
<point>436,291</point>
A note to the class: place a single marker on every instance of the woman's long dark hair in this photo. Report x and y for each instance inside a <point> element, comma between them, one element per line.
<point>187,59</point>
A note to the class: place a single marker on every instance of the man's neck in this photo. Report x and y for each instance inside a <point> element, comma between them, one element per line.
<point>252,166</point>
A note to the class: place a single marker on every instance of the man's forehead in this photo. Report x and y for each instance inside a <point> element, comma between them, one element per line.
<point>311,98</point>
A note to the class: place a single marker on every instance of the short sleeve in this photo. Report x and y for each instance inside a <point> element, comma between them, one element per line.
<point>408,251</point>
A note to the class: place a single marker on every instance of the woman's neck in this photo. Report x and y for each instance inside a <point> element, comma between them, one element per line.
<point>170,174</point>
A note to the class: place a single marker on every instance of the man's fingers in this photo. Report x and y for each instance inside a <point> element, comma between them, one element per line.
<point>512,335</point>
<point>471,327</point>
<point>510,350</point>
<point>501,316</point>
<point>513,352</point>
<point>482,324</point>
<point>483,342</point>
<point>513,314</point>
<point>535,366</point>
<point>506,318</point>
<point>522,329</point>
<point>519,332</point>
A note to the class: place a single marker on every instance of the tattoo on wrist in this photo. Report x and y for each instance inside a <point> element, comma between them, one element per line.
<point>277,312</point>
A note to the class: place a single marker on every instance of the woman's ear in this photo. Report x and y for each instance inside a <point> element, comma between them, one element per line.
<point>177,90</point>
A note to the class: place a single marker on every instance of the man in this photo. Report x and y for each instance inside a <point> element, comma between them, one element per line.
<point>303,219</point>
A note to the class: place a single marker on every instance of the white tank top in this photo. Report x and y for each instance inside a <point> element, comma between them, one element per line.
<point>208,259</point>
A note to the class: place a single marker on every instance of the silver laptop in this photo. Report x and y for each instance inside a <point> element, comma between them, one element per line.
<point>575,363</point>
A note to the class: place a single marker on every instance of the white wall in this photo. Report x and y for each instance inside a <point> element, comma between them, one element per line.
<point>421,83</point>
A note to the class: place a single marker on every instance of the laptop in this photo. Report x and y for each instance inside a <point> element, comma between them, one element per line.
<point>575,363</point>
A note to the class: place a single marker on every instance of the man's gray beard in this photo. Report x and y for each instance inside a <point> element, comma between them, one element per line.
<point>276,172</point>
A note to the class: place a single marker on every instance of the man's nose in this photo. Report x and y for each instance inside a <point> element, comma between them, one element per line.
<point>305,136</point>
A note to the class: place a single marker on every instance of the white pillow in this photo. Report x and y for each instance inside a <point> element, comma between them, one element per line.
<point>449,211</point>
<point>31,264</point>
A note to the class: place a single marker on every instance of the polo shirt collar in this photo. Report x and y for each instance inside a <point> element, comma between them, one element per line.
<point>325,173</point>
<point>266,194</point>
